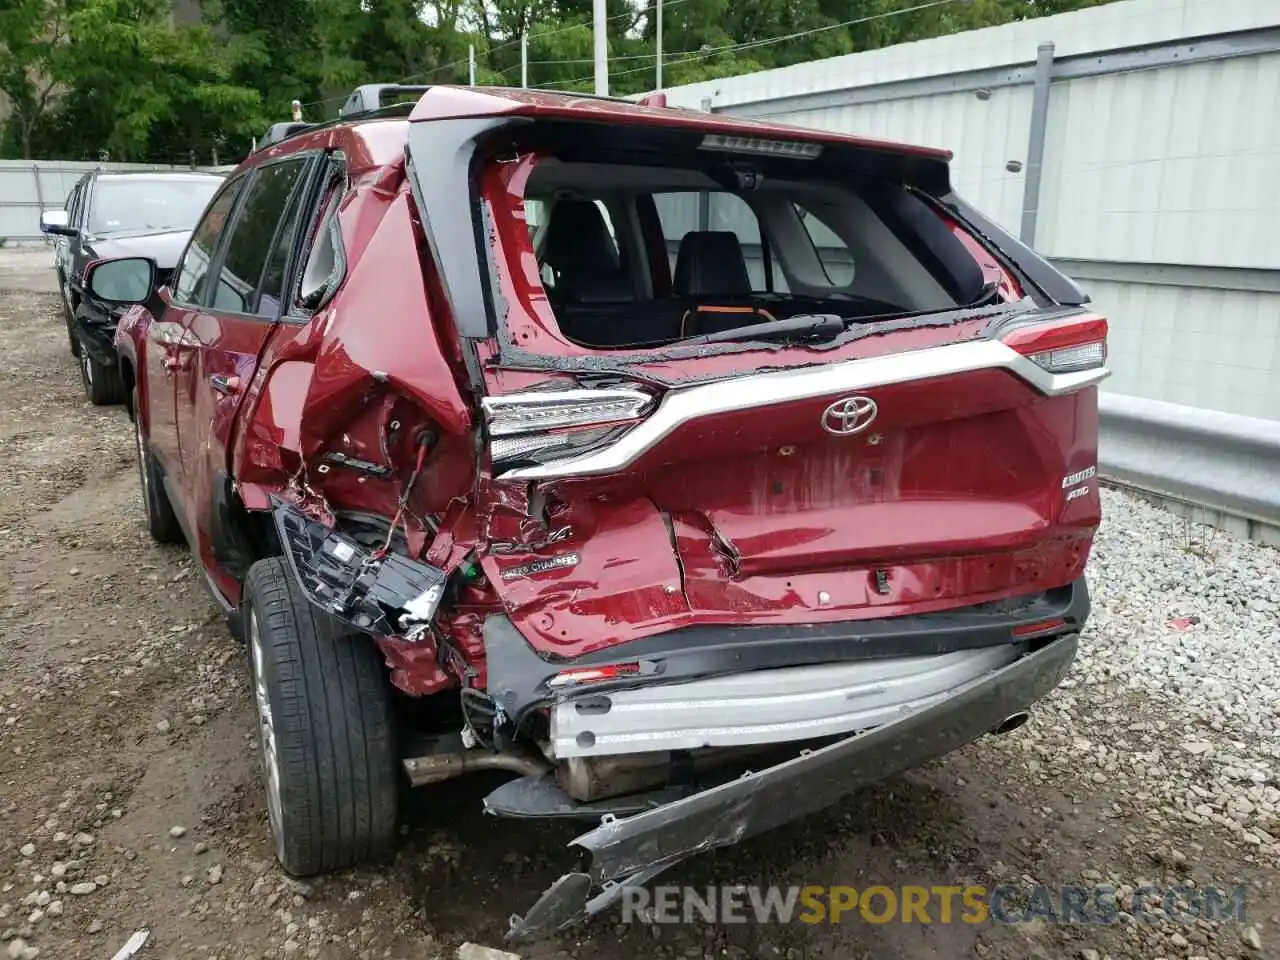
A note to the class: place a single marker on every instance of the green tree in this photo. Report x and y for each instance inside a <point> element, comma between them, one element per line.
<point>32,45</point>
<point>86,76</point>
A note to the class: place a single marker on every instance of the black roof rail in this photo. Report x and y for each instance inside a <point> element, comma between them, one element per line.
<point>282,131</point>
<point>368,98</point>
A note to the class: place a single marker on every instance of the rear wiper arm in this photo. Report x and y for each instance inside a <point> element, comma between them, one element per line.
<point>802,326</point>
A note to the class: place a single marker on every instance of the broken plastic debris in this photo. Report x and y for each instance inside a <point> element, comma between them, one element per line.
<point>1181,623</point>
<point>132,945</point>
<point>473,951</point>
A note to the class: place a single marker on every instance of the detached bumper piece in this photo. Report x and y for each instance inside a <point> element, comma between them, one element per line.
<point>97,332</point>
<point>387,595</point>
<point>630,851</point>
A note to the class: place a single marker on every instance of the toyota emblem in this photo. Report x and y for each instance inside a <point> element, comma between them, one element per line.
<point>851,415</point>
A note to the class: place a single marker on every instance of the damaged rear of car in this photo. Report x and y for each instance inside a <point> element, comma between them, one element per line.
<point>783,443</point>
<point>694,470</point>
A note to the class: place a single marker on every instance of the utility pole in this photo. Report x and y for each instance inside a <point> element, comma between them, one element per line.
<point>601,47</point>
<point>524,60</point>
<point>659,86</point>
<point>471,63</point>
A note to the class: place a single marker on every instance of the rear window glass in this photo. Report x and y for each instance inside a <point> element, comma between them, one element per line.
<point>716,212</point>
<point>646,255</point>
<point>135,204</point>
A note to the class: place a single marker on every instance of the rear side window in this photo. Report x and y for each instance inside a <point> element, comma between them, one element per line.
<point>251,275</point>
<point>324,262</point>
<point>192,273</point>
<point>832,252</point>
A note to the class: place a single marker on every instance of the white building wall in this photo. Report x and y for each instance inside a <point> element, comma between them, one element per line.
<point>1160,164</point>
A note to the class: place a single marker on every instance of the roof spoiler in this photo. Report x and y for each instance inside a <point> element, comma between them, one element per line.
<point>368,97</point>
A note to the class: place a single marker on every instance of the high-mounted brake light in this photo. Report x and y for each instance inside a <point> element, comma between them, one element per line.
<point>539,426</point>
<point>796,149</point>
<point>1066,345</point>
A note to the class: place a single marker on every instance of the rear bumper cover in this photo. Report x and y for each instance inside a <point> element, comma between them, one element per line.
<point>783,705</point>
<point>635,849</point>
<point>518,678</point>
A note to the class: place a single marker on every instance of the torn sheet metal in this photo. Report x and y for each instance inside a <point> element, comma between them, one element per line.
<point>381,592</point>
<point>625,851</point>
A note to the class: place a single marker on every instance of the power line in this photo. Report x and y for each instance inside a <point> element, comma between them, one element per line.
<point>667,4</point>
<point>703,54</point>
<point>686,56</point>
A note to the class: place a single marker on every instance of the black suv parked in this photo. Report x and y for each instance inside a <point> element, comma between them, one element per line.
<point>108,214</point>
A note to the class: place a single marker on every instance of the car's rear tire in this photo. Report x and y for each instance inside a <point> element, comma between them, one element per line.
<point>325,729</point>
<point>103,386</point>
<point>162,522</point>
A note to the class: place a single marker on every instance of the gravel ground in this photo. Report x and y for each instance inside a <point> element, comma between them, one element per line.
<point>129,796</point>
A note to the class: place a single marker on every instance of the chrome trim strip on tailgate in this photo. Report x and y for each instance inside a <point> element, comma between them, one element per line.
<point>764,706</point>
<point>684,404</point>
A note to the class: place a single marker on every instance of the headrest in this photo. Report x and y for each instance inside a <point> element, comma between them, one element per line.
<point>710,263</point>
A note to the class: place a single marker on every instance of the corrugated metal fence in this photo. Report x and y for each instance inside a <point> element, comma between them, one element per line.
<point>1135,144</point>
<point>29,186</point>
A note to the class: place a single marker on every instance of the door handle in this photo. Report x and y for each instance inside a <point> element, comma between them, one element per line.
<point>228,386</point>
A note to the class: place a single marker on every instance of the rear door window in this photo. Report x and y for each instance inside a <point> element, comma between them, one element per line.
<point>191,280</point>
<point>73,204</point>
<point>251,274</point>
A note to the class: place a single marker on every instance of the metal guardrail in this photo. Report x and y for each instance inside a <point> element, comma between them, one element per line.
<point>1219,468</point>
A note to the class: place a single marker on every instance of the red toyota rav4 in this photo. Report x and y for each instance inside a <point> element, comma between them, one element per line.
<point>646,446</point>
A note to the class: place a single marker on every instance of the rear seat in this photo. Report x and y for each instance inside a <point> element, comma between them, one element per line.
<point>595,302</point>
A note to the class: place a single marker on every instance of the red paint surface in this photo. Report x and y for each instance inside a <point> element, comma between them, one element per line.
<point>755,517</point>
<point>453,103</point>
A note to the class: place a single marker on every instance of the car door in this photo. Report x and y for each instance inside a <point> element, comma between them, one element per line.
<point>168,355</point>
<point>63,245</point>
<point>227,336</point>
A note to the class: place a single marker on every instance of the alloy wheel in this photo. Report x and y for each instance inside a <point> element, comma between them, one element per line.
<point>266,735</point>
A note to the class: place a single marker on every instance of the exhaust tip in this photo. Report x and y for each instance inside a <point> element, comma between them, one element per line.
<point>1011,723</point>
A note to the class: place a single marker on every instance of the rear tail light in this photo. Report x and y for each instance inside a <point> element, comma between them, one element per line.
<point>612,671</point>
<point>581,676</point>
<point>541,426</point>
<point>1067,345</point>
<point>1087,356</point>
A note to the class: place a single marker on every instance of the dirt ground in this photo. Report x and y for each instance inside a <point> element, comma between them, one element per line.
<point>127,762</point>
